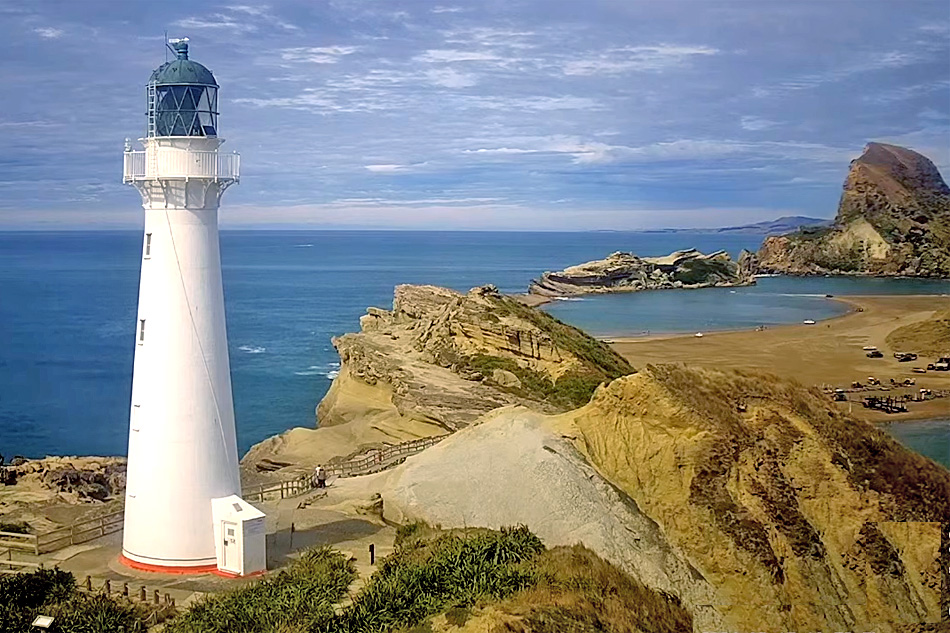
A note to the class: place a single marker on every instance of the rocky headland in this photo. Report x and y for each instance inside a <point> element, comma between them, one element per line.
<point>626,272</point>
<point>751,500</point>
<point>893,220</point>
<point>44,494</point>
<point>435,363</point>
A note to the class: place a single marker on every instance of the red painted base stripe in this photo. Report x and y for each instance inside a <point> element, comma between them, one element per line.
<point>167,569</point>
<point>227,574</point>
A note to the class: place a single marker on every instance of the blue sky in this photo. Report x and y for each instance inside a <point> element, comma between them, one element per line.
<point>500,114</point>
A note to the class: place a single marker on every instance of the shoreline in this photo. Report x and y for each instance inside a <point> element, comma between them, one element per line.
<point>827,354</point>
<point>854,307</point>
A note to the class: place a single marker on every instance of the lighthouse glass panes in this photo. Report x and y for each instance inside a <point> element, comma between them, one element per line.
<point>186,110</point>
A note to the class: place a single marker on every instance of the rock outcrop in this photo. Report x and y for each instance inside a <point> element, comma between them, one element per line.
<point>437,362</point>
<point>626,272</point>
<point>751,499</point>
<point>53,492</point>
<point>893,219</point>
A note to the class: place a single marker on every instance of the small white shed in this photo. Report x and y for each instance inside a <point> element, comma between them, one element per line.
<point>239,533</point>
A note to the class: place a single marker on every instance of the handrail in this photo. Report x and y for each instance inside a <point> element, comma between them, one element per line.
<point>378,459</point>
<point>89,529</point>
<point>176,163</point>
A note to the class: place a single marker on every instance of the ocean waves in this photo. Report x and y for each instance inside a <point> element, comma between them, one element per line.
<point>328,371</point>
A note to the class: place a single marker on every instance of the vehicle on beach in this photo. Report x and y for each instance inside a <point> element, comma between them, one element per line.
<point>875,354</point>
<point>869,348</point>
<point>919,370</point>
<point>942,364</point>
<point>903,357</point>
<point>809,321</point>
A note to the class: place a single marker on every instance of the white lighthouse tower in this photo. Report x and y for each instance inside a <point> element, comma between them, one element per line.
<point>182,446</point>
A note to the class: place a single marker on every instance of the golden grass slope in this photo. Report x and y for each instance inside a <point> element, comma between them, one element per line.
<point>802,518</point>
<point>930,337</point>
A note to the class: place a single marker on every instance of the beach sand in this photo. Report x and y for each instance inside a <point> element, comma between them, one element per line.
<point>827,353</point>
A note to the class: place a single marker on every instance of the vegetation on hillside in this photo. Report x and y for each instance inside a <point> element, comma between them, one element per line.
<point>599,363</point>
<point>53,592</point>
<point>449,577</point>
<point>927,338</point>
<point>300,598</point>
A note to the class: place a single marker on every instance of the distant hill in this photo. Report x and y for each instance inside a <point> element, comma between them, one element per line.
<point>778,226</point>
<point>893,220</point>
<point>785,224</point>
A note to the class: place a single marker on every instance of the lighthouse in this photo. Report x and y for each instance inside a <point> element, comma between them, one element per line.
<point>182,446</point>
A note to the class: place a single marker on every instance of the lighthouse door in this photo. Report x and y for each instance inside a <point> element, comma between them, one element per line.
<point>232,557</point>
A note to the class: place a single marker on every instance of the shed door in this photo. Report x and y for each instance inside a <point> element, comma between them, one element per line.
<point>232,553</point>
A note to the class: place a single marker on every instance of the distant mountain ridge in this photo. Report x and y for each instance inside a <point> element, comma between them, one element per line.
<point>778,226</point>
<point>784,224</point>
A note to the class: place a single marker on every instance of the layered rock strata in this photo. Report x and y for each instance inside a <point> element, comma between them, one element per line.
<point>626,272</point>
<point>750,499</point>
<point>893,220</point>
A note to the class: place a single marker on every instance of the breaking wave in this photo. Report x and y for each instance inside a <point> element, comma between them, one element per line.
<point>252,349</point>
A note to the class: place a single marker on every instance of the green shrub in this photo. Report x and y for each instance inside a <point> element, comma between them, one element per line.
<point>32,590</point>
<point>296,599</point>
<point>425,576</point>
<point>53,592</point>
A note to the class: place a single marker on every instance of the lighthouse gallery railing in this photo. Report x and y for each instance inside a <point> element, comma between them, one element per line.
<point>176,163</point>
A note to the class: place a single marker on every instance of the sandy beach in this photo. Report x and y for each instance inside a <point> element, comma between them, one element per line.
<point>826,353</point>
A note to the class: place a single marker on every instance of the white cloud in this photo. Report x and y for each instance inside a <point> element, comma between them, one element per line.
<point>263,12</point>
<point>317,54</point>
<point>448,78</point>
<point>48,32</point>
<point>591,153</point>
<point>239,19</point>
<point>532,104</point>
<point>217,21</point>
<point>448,10</point>
<point>756,123</point>
<point>636,58</point>
<point>448,56</point>
<point>908,92</point>
<point>867,64</point>
<point>385,169</point>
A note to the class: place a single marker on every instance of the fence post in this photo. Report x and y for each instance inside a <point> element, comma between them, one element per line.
<point>142,595</point>
<point>156,596</point>
<point>125,589</point>
<point>88,583</point>
<point>107,587</point>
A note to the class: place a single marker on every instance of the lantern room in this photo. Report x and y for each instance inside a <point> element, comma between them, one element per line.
<point>182,97</point>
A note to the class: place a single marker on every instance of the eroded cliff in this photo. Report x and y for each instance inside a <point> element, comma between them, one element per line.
<point>893,219</point>
<point>438,361</point>
<point>626,272</point>
<point>749,498</point>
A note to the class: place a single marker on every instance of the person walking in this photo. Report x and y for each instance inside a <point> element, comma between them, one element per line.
<point>321,477</point>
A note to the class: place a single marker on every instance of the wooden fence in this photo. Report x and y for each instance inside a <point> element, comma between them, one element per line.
<point>373,461</point>
<point>379,459</point>
<point>22,542</point>
<point>79,532</point>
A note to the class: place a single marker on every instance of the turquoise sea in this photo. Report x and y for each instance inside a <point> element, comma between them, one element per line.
<point>67,311</point>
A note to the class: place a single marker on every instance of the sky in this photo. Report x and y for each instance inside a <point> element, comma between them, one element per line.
<point>478,114</point>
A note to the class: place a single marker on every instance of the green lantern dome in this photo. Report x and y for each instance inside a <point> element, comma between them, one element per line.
<point>182,97</point>
<point>182,71</point>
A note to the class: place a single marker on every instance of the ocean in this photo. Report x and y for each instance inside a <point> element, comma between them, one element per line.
<point>67,313</point>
